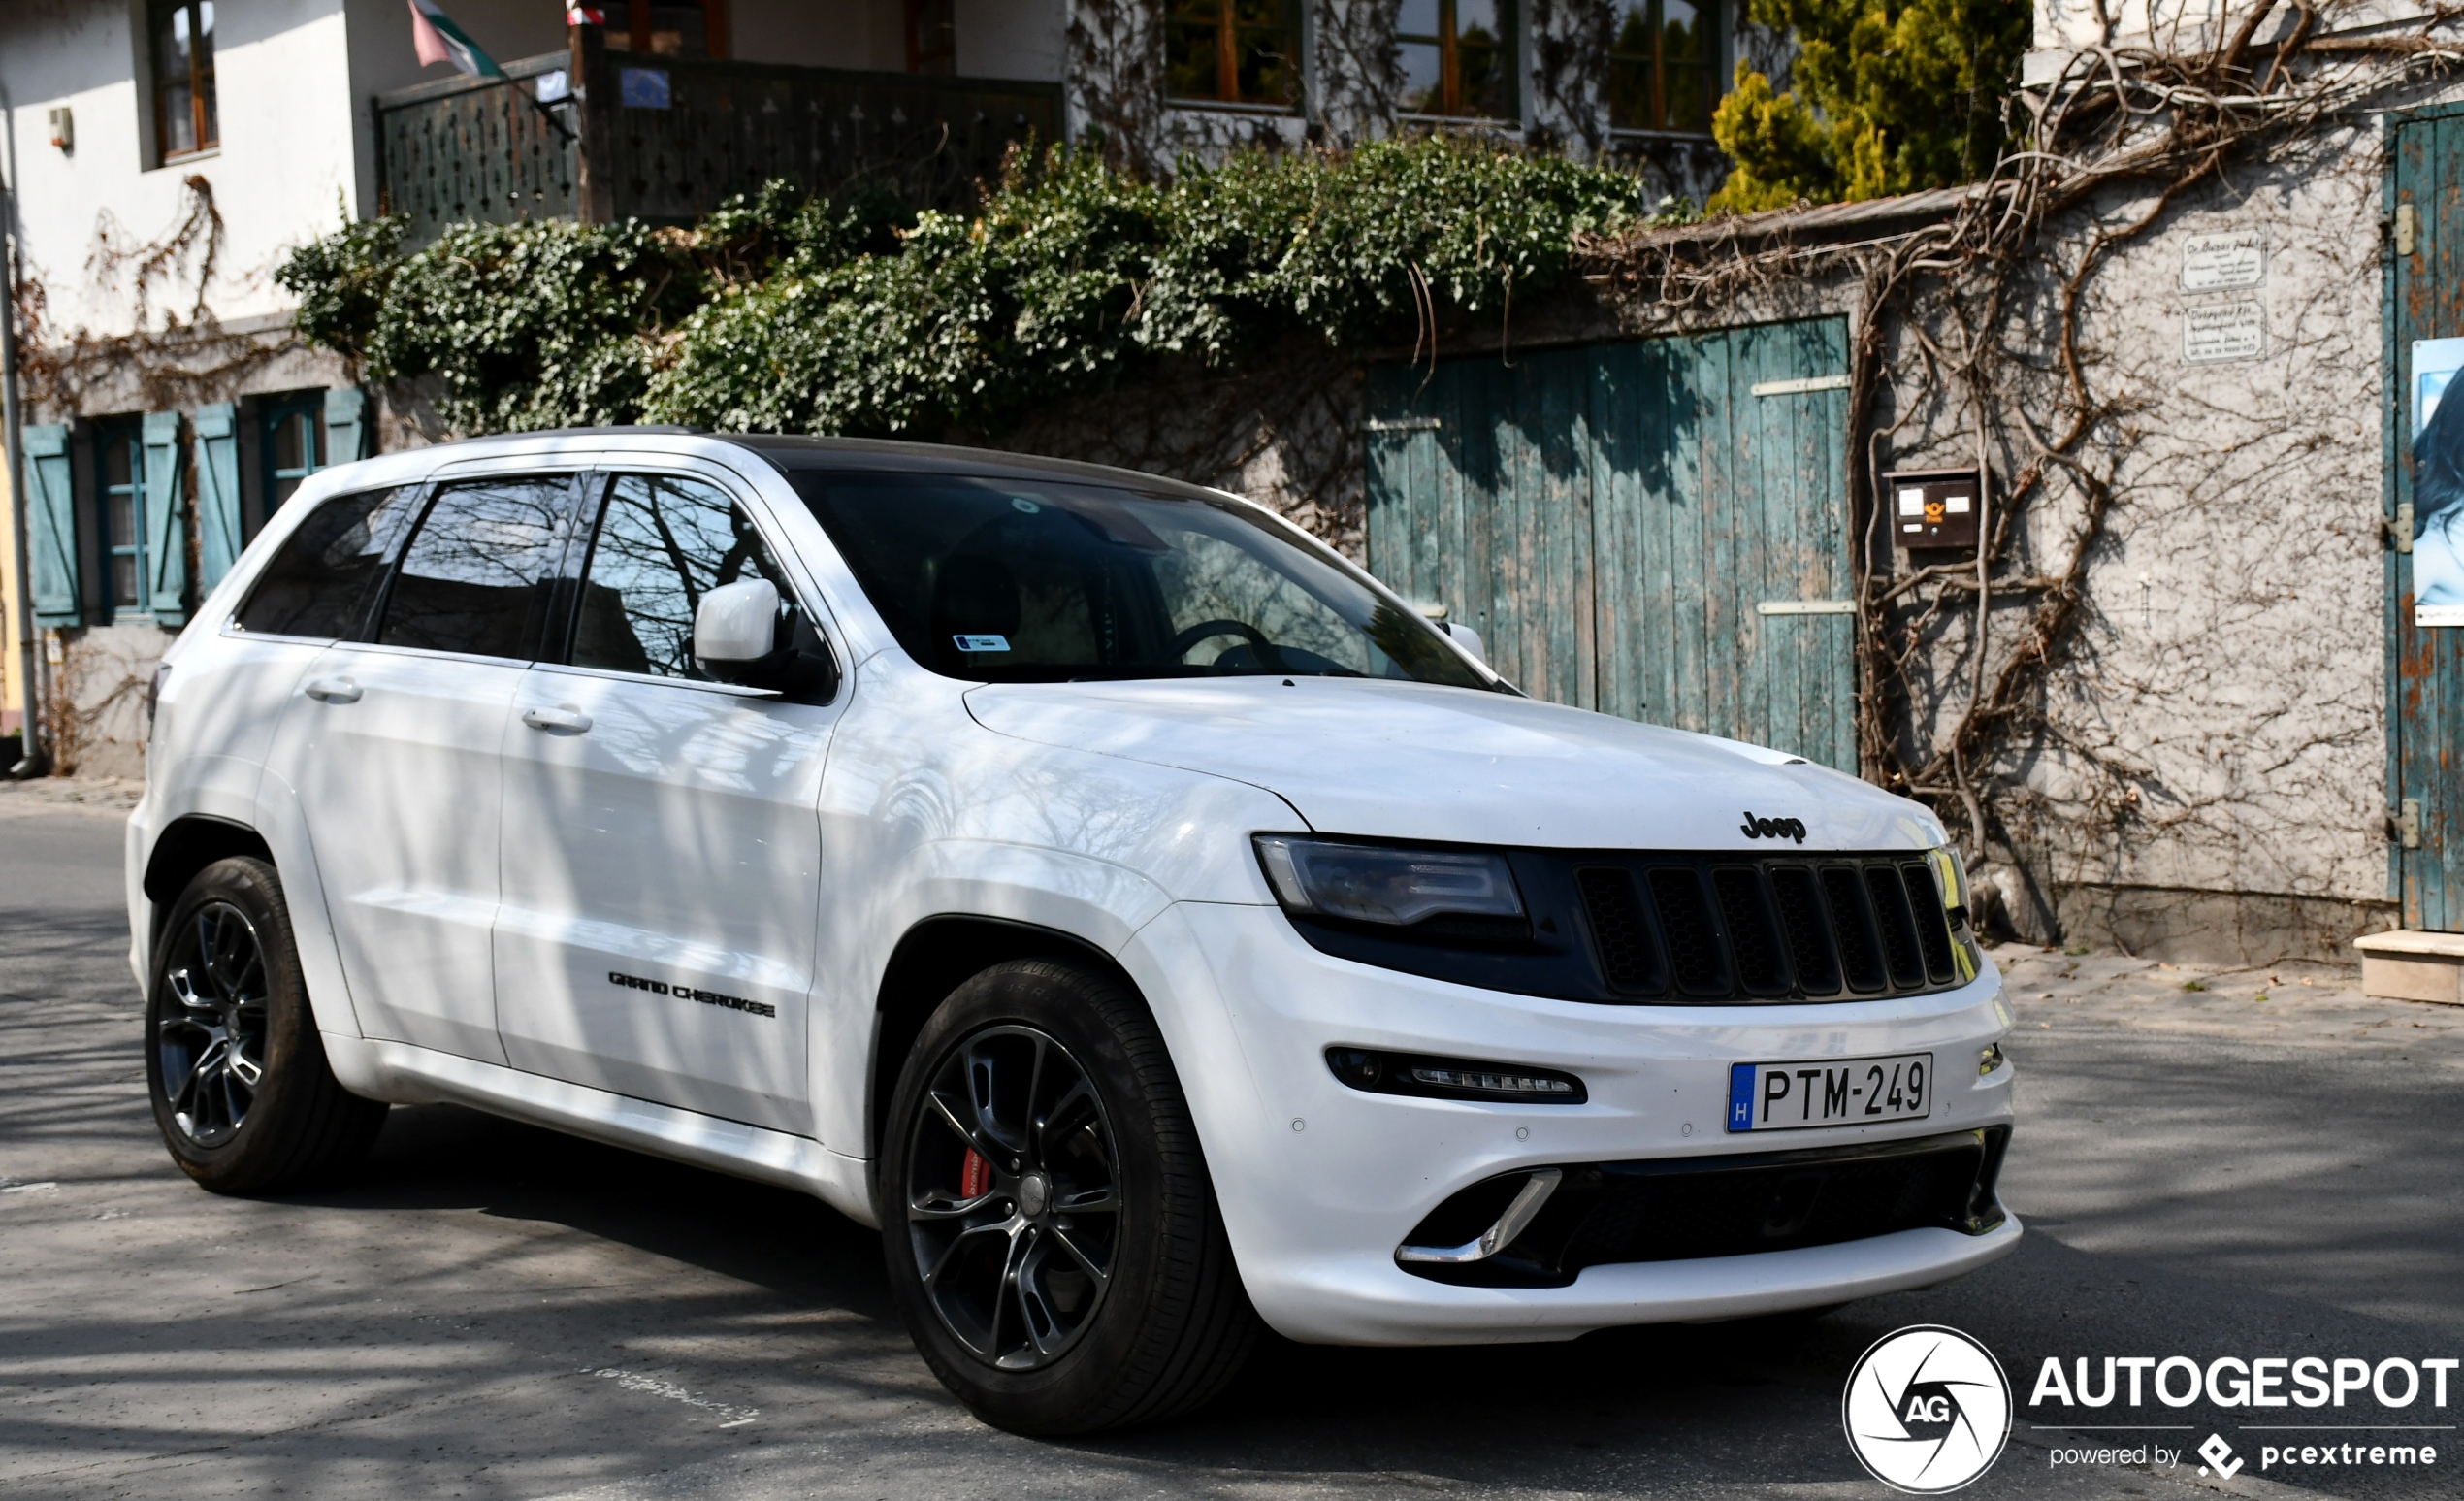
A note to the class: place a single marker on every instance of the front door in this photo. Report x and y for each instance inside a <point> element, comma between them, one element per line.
<point>2426,500</point>
<point>661,851</point>
<point>1654,528</point>
<point>392,747</point>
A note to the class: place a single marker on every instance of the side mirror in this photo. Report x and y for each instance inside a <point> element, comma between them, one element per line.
<point>736,623</point>
<point>743,634</point>
<point>1467,639</point>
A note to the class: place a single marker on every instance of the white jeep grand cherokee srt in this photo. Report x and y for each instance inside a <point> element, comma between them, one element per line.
<point>1147,920</point>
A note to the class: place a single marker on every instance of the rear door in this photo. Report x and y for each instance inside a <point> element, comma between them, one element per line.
<point>661,849</point>
<point>391,744</point>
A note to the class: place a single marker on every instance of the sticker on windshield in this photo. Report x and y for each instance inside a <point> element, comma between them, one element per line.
<point>981,643</point>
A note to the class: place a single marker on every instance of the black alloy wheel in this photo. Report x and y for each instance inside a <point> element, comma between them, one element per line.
<point>1051,1236</point>
<point>242,1091</point>
<point>210,1041</point>
<point>1014,1199</point>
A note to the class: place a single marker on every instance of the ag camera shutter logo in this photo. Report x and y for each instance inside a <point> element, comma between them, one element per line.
<point>1928,1409</point>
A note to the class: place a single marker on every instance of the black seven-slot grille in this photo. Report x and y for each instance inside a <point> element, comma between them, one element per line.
<point>1766,930</point>
<point>1652,927</point>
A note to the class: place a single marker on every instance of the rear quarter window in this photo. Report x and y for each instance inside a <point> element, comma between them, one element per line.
<point>324,580</point>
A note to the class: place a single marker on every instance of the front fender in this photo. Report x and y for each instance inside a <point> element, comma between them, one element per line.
<point>283,824</point>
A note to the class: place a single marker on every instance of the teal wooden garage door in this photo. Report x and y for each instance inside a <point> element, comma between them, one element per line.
<point>1653,528</point>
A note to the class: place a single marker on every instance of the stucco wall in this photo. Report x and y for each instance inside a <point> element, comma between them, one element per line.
<point>2219,726</point>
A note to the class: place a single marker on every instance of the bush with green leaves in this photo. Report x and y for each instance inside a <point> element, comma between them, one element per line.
<point>838,314</point>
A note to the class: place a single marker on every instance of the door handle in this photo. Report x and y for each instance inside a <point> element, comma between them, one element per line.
<point>564,716</point>
<point>333,690</point>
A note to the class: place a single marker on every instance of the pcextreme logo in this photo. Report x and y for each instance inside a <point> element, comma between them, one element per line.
<point>1928,1409</point>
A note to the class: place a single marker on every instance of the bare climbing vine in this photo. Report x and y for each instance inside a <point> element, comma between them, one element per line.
<point>1971,346</point>
<point>176,350</point>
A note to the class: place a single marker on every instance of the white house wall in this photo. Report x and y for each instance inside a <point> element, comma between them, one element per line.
<point>285,165</point>
<point>1009,38</point>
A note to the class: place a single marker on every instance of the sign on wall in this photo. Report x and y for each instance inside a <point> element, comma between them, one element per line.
<point>2220,263</point>
<point>2223,331</point>
<point>2438,484</point>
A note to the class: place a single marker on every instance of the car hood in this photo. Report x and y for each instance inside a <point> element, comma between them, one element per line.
<point>1409,761</point>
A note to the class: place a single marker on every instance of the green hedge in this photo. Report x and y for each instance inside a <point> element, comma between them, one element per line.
<point>845,315</point>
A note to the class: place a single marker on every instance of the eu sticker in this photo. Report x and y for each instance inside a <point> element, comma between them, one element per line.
<point>1741,1097</point>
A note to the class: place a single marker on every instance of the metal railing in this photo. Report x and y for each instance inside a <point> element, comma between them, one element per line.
<point>667,138</point>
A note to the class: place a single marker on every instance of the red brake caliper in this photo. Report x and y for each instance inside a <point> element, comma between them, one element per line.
<point>975,1175</point>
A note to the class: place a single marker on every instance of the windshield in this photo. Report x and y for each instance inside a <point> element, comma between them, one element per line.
<point>1007,580</point>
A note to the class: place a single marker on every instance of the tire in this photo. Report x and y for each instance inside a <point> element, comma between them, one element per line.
<point>227,1002</point>
<point>1074,1277</point>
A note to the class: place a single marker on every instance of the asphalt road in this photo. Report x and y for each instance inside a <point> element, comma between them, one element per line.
<point>495,1310</point>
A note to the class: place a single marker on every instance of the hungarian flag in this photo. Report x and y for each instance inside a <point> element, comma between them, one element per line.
<point>438,40</point>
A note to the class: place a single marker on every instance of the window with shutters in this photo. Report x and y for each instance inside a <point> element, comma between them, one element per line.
<point>119,469</point>
<point>291,435</point>
<point>183,60</point>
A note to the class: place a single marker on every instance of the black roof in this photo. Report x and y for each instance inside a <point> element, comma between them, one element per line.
<point>794,454</point>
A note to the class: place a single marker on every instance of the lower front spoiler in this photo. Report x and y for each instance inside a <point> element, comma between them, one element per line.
<point>1371,1301</point>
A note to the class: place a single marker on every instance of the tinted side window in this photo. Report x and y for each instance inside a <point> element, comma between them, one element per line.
<point>661,545</point>
<point>479,570</point>
<point>325,578</point>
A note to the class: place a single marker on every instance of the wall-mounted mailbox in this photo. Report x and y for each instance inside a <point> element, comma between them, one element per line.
<point>1934,507</point>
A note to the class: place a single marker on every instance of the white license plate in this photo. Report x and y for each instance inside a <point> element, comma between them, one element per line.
<point>1829,1092</point>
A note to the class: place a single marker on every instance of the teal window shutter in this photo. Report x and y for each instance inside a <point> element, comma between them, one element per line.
<point>345,424</point>
<point>217,430</point>
<point>50,519</point>
<point>166,527</point>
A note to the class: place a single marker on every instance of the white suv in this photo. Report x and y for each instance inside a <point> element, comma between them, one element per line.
<point>1147,919</point>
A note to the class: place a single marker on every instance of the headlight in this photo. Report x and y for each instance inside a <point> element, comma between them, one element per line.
<point>1373,883</point>
<point>1951,877</point>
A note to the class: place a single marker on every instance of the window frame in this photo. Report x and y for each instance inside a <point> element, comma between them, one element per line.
<point>205,120</point>
<point>270,415</point>
<point>112,547</point>
<point>362,630</point>
<point>1715,12</point>
<point>600,497</point>
<point>1228,31</point>
<point>932,28</point>
<point>1448,41</point>
<point>555,613</point>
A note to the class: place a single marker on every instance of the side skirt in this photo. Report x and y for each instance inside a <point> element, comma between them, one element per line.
<point>408,1075</point>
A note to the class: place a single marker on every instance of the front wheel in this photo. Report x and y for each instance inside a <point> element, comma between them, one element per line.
<point>1053,1239</point>
<point>241,1090</point>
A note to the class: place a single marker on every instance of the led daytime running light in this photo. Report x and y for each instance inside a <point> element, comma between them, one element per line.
<point>1495,1084</point>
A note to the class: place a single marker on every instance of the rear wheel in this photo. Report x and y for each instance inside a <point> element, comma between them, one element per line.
<point>241,1088</point>
<point>1053,1239</point>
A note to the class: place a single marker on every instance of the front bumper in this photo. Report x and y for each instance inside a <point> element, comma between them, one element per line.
<point>1320,1182</point>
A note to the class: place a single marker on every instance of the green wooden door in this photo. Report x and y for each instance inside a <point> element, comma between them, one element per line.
<point>1653,528</point>
<point>2425,662</point>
